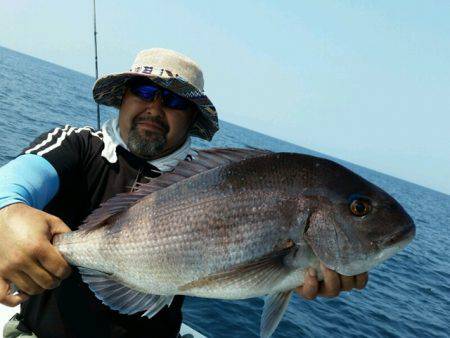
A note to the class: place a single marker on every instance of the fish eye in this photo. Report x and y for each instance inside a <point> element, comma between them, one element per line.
<point>360,206</point>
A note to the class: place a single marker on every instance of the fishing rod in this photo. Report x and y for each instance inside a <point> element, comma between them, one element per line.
<point>96,63</point>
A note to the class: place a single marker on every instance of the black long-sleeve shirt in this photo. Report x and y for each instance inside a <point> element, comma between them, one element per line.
<point>86,180</point>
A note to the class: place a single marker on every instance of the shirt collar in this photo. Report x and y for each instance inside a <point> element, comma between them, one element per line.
<point>112,139</point>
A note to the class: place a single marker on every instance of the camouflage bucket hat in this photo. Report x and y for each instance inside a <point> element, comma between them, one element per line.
<point>170,70</point>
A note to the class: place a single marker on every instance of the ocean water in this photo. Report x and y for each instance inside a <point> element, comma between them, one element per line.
<point>407,296</point>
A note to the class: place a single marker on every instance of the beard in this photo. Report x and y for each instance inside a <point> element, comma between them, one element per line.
<point>146,143</point>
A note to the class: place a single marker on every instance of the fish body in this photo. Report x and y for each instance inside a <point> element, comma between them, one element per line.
<point>235,224</point>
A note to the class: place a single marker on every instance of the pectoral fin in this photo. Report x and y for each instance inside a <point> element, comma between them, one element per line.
<point>263,272</point>
<point>274,307</point>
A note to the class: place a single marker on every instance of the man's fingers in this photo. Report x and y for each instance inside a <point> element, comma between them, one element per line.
<point>361,280</point>
<point>32,269</point>
<point>331,285</point>
<point>40,276</point>
<point>310,286</point>
<point>25,284</point>
<point>347,282</point>
<point>52,261</point>
<point>8,299</point>
<point>14,300</point>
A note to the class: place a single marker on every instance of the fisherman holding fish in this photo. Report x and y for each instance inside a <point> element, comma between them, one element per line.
<point>68,172</point>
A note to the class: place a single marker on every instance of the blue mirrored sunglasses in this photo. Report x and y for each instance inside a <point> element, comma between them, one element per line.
<point>147,92</point>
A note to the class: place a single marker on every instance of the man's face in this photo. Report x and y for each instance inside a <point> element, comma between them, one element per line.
<point>150,129</point>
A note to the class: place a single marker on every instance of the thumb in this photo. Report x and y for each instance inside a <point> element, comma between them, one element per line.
<point>57,226</point>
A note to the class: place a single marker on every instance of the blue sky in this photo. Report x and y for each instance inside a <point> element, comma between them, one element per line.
<point>365,81</point>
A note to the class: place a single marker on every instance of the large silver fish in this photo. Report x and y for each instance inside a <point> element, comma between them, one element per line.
<point>234,224</point>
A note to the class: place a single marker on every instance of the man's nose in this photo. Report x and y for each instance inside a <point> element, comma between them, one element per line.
<point>155,107</point>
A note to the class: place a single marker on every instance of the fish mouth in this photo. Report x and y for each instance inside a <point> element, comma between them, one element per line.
<point>370,261</point>
<point>387,247</point>
<point>400,238</point>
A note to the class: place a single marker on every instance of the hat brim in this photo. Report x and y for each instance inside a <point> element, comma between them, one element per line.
<point>109,90</point>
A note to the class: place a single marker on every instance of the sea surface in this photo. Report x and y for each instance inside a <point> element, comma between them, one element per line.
<point>407,296</point>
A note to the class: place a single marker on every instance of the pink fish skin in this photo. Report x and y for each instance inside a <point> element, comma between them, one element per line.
<point>235,224</point>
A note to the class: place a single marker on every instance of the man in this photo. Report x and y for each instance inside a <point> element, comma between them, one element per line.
<point>69,171</point>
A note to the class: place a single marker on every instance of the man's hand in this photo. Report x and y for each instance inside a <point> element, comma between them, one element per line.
<point>332,284</point>
<point>27,257</point>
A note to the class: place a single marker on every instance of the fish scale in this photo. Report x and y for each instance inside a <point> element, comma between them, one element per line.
<point>153,247</point>
<point>234,224</point>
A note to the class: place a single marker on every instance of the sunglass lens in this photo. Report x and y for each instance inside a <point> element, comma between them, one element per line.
<point>175,101</point>
<point>145,92</point>
<point>171,100</point>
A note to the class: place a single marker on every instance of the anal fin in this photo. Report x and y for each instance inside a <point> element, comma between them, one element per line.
<point>120,297</point>
<point>274,307</point>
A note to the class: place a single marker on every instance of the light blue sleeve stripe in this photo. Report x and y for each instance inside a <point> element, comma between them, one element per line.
<point>28,179</point>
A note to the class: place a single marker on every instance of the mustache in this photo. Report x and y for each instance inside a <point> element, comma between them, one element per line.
<point>154,119</point>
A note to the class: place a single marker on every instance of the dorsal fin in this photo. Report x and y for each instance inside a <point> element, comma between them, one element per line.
<point>205,160</point>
